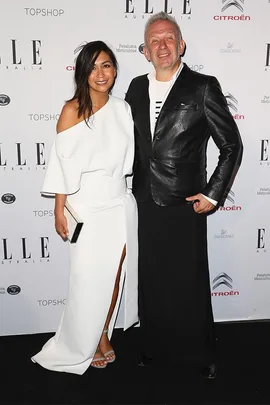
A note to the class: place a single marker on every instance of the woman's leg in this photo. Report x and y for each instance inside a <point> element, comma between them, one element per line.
<point>104,343</point>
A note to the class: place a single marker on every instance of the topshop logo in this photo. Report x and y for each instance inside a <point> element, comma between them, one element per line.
<point>222,279</point>
<point>44,12</point>
<point>4,100</point>
<point>232,3</point>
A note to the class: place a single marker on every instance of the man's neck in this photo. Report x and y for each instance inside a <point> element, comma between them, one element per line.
<point>164,75</point>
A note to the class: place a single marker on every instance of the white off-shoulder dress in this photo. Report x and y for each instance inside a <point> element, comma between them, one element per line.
<point>90,165</point>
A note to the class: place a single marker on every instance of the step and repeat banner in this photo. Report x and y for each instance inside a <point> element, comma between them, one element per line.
<point>38,46</point>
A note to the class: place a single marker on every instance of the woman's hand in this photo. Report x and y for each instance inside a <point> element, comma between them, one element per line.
<point>61,225</point>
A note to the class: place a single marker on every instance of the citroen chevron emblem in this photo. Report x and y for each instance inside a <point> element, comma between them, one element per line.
<point>231,196</point>
<point>222,279</point>
<point>231,101</point>
<point>233,3</point>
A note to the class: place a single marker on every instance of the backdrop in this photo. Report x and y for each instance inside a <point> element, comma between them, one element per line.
<point>38,45</point>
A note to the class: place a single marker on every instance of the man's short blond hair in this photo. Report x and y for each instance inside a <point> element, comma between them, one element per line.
<point>162,16</point>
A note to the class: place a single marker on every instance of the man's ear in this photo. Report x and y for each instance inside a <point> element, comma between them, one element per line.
<point>146,53</point>
<point>182,45</point>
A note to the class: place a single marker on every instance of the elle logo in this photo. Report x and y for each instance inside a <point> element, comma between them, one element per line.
<point>267,59</point>
<point>148,8</point>
<point>151,7</point>
<point>261,240</point>
<point>26,255</point>
<point>264,152</point>
<point>16,58</point>
<point>20,160</point>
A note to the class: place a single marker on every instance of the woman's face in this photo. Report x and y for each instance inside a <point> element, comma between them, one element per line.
<point>103,74</point>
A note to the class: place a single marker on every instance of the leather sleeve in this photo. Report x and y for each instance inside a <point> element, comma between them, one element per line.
<point>128,93</point>
<point>128,100</point>
<point>225,134</point>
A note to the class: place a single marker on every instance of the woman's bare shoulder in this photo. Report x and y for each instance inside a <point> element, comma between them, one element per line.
<point>68,117</point>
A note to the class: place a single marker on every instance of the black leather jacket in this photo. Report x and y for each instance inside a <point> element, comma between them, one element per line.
<point>173,166</point>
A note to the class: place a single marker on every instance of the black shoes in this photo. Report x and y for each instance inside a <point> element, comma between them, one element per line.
<point>143,360</point>
<point>209,372</point>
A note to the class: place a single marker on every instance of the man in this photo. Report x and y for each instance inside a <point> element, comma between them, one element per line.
<point>175,111</point>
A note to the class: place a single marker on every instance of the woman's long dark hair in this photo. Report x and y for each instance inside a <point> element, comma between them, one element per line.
<point>84,65</point>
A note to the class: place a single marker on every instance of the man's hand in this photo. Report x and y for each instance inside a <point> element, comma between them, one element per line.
<point>202,205</point>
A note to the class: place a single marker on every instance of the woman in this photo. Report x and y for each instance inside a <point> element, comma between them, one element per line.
<point>89,162</point>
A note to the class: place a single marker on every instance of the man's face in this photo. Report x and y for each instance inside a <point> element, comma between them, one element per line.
<point>162,46</point>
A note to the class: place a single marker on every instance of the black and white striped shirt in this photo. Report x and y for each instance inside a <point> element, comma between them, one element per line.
<point>158,92</point>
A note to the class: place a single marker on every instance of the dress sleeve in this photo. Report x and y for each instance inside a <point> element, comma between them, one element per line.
<point>63,175</point>
<point>54,182</point>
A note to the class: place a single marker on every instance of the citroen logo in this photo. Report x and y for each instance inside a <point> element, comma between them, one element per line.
<point>222,279</point>
<point>233,3</point>
<point>231,101</point>
<point>230,196</point>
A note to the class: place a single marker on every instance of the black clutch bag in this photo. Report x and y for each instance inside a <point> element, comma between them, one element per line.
<point>75,223</point>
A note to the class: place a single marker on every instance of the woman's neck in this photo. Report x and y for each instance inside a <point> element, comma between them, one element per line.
<point>98,101</point>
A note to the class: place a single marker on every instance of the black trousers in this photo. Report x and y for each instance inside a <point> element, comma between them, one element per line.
<point>176,319</point>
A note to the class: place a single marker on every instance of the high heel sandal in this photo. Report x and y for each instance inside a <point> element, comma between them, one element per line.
<point>110,359</point>
<point>101,358</point>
